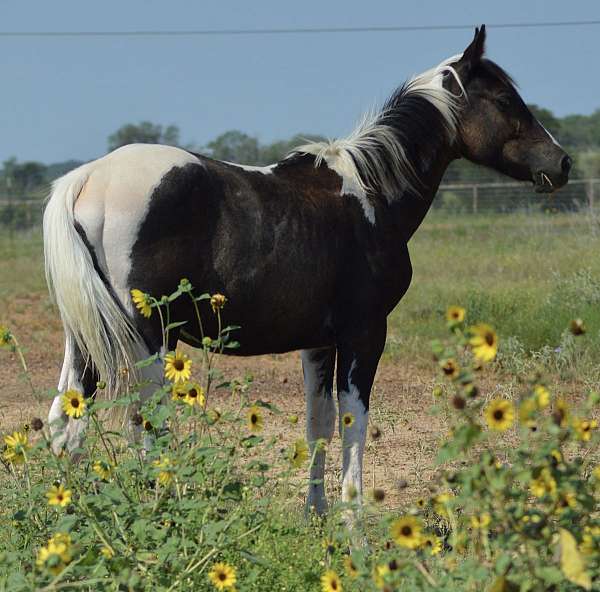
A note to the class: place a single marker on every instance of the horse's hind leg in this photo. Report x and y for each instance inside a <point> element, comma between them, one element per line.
<point>318,365</point>
<point>68,432</point>
<point>151,379</point>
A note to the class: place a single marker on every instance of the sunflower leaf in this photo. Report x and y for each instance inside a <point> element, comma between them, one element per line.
<point>175,325</point>
<point>571,561</point>
<point>147,362</point>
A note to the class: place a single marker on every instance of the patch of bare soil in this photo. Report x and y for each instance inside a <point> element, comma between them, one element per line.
<point>401,461</point>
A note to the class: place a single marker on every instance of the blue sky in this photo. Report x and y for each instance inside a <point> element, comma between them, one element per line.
<point>61,98</point>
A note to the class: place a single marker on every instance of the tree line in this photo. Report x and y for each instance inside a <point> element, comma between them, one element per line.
<point>579,134</point>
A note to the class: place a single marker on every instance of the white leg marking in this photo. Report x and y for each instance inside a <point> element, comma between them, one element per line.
<point>320,420</point>
<point>66,432</point>
<point>152,378</point>
<point>353,441</point>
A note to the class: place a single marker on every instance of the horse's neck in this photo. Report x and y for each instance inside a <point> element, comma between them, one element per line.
<point>409,209</point>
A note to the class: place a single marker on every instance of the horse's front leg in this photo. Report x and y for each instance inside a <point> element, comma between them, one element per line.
<point>317,366</point>
<point>358,358</point>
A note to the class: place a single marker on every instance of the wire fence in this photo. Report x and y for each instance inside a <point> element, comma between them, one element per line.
<point>501,198</point>
<point>580,195</point>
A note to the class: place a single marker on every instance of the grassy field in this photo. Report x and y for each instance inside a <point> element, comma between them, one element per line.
<point>528,276</point>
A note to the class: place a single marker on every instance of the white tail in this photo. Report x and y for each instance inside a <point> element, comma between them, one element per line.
<point>103,332</point>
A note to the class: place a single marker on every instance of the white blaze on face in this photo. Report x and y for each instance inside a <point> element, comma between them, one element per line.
<point>554,141</point>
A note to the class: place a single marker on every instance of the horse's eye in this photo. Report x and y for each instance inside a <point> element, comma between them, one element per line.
<point>503,102</point>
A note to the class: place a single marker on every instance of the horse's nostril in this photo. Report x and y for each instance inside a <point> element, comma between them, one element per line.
<point>565,164</point>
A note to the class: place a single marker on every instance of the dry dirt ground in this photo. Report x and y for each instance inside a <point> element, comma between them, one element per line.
<point>401,401</point>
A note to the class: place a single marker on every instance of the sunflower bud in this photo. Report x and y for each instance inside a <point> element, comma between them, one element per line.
<point>402,483</point>
<point>471,390</point>
<point>375,432</point>
<point>352,492</point>
<point>217,301</point>
<point>378,495</point>
<point>458,402</point>
<point>37,424</point>
<point>577,327</point>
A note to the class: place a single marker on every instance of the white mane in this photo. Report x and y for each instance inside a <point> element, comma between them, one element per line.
<point>362,150</point>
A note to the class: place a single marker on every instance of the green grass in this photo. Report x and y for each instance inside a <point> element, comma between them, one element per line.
<point>21,263</point>
<point>528,276</point>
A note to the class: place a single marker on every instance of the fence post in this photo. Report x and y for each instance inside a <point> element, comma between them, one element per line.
<point>475,198</point>
<point>590,194</point>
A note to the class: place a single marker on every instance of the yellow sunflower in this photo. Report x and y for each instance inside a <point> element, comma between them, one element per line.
<point>432,544</point>
<point>166,470</point>
<point>58,496</point>
<point>406,531</point>
<point>543,484</point>
<point>379,573</point>
<point>584,428</point>
<point>455,314</point>
<point>195,395</point>
<point>499,414</point>
<point>350,567</point>
<point>16,448</point>
<point>254,419</point>
<point>481,521</point>
<point>567,499</point>
<point>527,410</point>
<point>179,391</point>
<point>484,342</point>
<point>5,336</point>
<point>217,301</point>
<point>73,403</point>
<point>299,454</point>
<point>54,557</point>
<point>440,504</point>
<point>560,413</point>
<point>102,469</point>
<point>450,368</point>
<point>222,575</point>
<point>178,367</point>
<point>330,582</point>
<point>107,552</point>
<point>64,538</point>
<point>542,396</point>
<point>142,302</point>
<point>347,420</point>
<point>214,415</point>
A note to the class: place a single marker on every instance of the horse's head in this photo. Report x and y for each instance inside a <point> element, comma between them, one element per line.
<point>496,128</point>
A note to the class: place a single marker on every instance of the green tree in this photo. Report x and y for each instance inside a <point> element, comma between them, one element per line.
<point>22,178</point>
<point>235,146</point>
<point>144,132</point>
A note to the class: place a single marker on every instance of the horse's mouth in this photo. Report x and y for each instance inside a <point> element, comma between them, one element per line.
<point>542,183</point>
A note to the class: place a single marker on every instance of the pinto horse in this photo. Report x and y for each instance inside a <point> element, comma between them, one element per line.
<point>311,252</point>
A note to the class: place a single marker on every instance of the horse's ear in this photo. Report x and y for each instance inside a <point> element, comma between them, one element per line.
<point>472,55</point>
